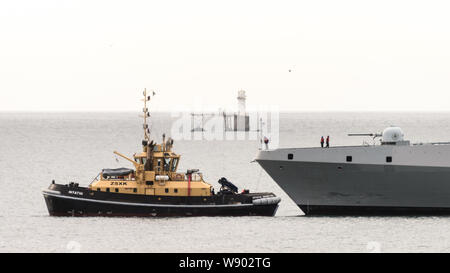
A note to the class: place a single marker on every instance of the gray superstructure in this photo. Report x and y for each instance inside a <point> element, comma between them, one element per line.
<point>395,177</point>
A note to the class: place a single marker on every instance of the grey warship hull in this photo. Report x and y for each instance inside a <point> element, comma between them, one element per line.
<point>322,182</point>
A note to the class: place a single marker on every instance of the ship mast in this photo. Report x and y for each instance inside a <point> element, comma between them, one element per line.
<point>146,143</point>
<point>146,115</point>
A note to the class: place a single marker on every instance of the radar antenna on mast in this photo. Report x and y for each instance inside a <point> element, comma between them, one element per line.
<point>146,115</point>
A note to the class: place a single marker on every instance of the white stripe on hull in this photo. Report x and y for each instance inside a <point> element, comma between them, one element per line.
<point>143,204</point>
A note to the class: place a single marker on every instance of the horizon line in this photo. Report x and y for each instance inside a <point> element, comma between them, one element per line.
<point>281,111</point>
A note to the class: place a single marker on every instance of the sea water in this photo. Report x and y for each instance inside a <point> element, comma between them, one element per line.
<point>36,148</point>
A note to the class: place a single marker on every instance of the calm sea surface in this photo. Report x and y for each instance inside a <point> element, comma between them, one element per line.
<point>38,147</point>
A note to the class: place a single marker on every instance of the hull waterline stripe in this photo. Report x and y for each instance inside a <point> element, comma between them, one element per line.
<point>143,204</point>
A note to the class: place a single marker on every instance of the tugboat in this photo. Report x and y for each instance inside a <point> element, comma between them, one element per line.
<point>155,188</point>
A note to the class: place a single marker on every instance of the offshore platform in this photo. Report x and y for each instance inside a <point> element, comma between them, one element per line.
<point>232,121</point>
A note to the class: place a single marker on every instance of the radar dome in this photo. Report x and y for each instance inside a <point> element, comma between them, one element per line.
<point>393,134</point>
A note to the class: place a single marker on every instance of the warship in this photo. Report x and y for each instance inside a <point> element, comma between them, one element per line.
<point>394,177</point>
<point>154,187</point>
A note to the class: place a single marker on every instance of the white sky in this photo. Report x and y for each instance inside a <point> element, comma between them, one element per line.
<point>344,55</point>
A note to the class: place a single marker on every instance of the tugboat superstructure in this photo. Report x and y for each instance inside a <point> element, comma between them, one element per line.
<point>155,187</point>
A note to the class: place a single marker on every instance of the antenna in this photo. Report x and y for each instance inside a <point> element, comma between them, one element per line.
<point>146,115</point>
<point>261,133</point>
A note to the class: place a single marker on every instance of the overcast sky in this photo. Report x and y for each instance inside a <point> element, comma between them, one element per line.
<point>343,55</point>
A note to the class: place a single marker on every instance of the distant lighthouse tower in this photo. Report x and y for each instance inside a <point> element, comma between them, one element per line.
<point>241,102</point>
<point>240,120</point>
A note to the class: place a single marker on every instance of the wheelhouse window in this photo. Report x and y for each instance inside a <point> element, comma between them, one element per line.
<point>174,164</point>
<point>166,164</point>
<point>388,159</point>
<point>290,156</point>
<point>158,165</point>
<point>349,158</point>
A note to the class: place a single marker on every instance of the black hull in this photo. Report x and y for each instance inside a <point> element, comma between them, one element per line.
<point>62,200</point>
<point>372,211</point>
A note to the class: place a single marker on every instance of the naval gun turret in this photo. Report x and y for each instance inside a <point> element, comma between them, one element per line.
<point>392,135</point>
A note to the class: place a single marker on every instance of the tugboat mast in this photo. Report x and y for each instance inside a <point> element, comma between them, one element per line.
<point>146,143</point>
<point>146,115</point>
